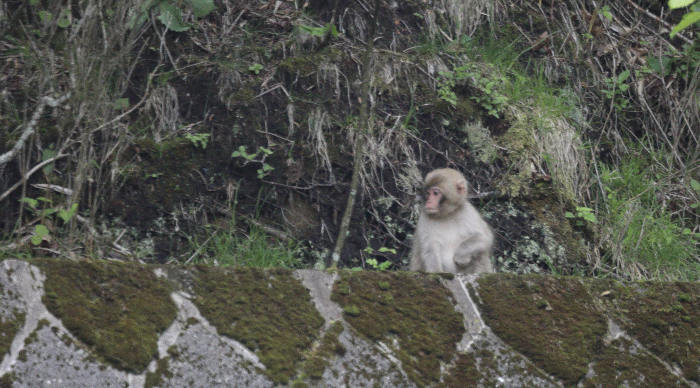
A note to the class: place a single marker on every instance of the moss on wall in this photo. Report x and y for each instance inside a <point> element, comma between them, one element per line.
<point>413,309</point>
<point>661,316</point>
<point>319,358</point>
<point>464,373</point>
<point>117,309</point>
<point>552,321</point>
<point>9,326</point>
<point>269,311</point>
<point>622,365</point>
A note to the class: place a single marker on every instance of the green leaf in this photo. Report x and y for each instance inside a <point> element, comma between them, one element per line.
<point>121,103</point>
<point>47,154</point>
<point>265,150</point>
<point>64,19</point>
<point>33,2</point>
<point>171,17</point>
<point>66,215</point>
<point>385,250</point>
<point>606,12</point>
<point>314,31</point>
<point>384,265</point>
<point>48,212</point>
<point>40,231</point>
<point>673,4</point>
<point>30,201</point>
<point>623,76</point>
<point>332,30</point>
<point>688,19</point>
<point>695,185</point>
<point>45,16</point>
<point>569,215</point>
<point>255,68</point>
<point>202,8</point>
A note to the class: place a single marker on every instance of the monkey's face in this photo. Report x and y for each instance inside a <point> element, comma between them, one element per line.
<point>433,200</point>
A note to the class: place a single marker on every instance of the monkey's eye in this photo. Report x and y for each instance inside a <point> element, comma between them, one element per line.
<point>433,191</point>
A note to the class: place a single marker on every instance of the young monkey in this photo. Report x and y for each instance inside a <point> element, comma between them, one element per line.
<point>450,236</point>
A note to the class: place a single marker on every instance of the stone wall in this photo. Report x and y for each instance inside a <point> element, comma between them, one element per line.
<point>94,323</point>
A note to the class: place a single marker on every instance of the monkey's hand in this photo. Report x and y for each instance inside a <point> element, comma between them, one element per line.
<point>469,249</point>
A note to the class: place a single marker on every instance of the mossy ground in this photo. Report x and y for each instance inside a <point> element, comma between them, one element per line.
<point>415,310</point>
<point>269,311</point>
<point>117,309</point>
<point>551,321</point>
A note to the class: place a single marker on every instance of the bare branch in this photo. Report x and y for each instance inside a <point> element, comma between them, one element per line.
<point>30,173</point>
<point>29,130</point>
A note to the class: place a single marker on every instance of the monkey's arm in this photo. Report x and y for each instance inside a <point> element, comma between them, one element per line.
<point>415,264</point>
<point>474,249</point>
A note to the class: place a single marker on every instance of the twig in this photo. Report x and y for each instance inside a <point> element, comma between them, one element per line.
<point>358,148</point>
<point>29,130</point>
<point>30,173</point>
<point>658,19</point>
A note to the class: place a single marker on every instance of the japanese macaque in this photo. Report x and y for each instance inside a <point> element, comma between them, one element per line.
<point>450,236</point>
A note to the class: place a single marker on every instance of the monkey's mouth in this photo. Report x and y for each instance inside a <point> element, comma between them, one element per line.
<point>431,210</point>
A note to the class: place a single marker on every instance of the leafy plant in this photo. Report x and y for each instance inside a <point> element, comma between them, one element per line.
<point>614,90</point>
<point>41,230</point>
<point>374,263</point>
<point>490,86</point>
<point>582,214</point>
<point>640,232</point>
<point>169,12</point>
<point>230,247</point>
<point>255,68</point>
<point>320,32</point>
<point>198,139</point>
<point>689,18</point>
<point>264,152</point>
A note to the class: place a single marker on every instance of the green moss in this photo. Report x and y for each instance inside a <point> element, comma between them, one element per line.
<point>464,373</point>
<point>562,338</point>
<point>622,365</point>
<point>308,63</point>
<point>520,143</point>
<point>269,311</point>
<point>352,310</point>
<point>420,316</point>
<point>155,379</point>
<point>650,312</point>
<point>7,380</point>
<point>22,355</point>
<point>330,346</point>
<point>9,326</point>
<point>116,309</point>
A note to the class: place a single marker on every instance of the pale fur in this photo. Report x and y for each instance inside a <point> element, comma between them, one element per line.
<point>458,243</point>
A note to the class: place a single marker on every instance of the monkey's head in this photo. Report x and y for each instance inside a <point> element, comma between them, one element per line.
<point>445,192</point>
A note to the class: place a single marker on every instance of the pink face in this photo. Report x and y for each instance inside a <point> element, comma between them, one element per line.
<point>432,202</point>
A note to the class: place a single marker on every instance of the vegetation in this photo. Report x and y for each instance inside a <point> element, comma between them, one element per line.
<point>133,125</point>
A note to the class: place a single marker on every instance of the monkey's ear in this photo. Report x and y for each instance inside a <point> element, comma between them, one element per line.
<point>461,187</point>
